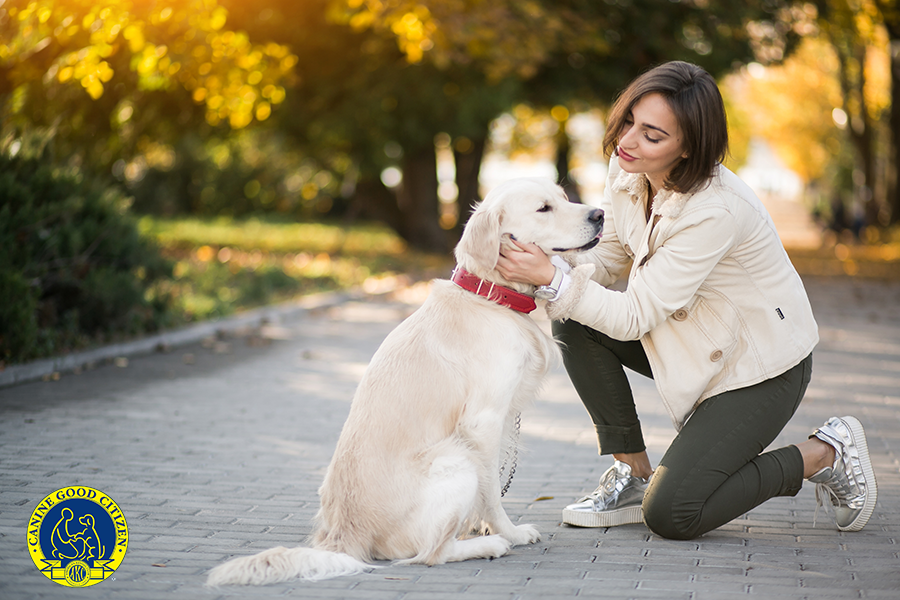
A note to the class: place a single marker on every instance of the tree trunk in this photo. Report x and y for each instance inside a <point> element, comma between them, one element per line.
<point>563,176</point>
<point>891,17</point>
<point>418,201</point>
<point>866,147</point>
<point>373,200</point>
<point>851,77</point>
<point>893,171</point>
<point>468,170</point>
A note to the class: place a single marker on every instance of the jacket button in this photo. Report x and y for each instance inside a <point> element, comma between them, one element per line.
<point>716,356</point>
<point>680,314</point>
<point>628,250</point>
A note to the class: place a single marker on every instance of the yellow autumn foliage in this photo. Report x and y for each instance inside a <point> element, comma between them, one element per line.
<point>507,36</point>
<point>799,107</point>
<point>792,106</point>
<point>174,42</point>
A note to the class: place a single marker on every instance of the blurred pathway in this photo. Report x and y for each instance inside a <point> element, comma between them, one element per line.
<point>793,222</point>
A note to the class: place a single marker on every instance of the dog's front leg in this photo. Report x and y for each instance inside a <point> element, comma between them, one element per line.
<point>487,442</point>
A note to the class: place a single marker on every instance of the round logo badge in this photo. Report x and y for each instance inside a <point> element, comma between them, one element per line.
<point>77,536</point>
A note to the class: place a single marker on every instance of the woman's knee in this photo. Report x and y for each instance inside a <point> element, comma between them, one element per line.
<point>666,518</point>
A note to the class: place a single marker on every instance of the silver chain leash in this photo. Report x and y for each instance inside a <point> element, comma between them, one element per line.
<point>515,456</point>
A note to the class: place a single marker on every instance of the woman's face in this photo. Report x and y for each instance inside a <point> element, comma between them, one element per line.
<point>650,141</point>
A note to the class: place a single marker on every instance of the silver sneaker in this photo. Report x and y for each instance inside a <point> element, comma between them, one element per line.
<point>617,501</point>
<point>849,485</point>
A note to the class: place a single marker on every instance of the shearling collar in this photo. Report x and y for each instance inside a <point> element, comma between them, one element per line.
<point>667,203</point>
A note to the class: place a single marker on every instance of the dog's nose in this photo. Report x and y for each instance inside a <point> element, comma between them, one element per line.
<point>596,215</point>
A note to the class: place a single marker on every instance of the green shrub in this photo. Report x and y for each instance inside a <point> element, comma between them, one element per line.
<point>18,312</point>
<point>73,267</point>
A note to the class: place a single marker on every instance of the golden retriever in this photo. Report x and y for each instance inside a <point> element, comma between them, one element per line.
<point>416,467</point>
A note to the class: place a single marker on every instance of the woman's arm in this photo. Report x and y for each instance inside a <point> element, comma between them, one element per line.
<point>666,282</point>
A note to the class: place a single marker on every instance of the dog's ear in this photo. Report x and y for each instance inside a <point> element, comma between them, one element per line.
<point>480,240</point>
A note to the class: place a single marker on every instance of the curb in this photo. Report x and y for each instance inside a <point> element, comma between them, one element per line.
<point>276,313</point>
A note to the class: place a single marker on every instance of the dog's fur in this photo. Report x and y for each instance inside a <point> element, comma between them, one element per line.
<point>416,466</point>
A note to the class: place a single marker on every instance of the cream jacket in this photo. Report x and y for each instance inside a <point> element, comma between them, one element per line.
<point>711,295</point>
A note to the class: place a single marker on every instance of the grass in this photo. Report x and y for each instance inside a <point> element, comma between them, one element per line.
<point>222,266</point>
<point>273,236</point>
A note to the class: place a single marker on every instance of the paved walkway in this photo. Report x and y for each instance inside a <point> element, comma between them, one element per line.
<point>217,449</point>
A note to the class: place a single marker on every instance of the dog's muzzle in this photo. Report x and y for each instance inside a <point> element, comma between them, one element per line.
<point>595,218</point>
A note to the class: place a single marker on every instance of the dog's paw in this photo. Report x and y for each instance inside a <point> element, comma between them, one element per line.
<point>487,546</point>
<point>524,534</point>
<point>495,546</point>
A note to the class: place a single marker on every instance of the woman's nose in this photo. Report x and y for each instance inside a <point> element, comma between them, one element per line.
<point>626,140</point>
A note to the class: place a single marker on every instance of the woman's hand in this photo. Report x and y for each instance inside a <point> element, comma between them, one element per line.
<point>525,263</point>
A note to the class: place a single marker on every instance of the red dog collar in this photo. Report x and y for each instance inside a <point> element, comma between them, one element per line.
<point>496,293</point>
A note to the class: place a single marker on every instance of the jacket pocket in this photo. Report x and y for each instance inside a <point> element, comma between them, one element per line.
<point>717,328</point>
<point>690,353</point>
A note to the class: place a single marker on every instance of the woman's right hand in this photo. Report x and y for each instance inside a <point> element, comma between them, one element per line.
<point>525,263</point>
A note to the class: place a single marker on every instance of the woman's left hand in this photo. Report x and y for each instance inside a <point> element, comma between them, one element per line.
<point>525,263</point>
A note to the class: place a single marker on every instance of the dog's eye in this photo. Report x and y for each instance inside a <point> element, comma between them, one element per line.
<point>545,208</point>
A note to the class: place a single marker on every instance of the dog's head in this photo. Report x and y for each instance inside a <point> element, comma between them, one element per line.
<point>528,210</point>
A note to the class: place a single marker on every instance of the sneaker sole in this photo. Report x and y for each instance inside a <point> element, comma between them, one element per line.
<point>859,438</point>
<point>609,518</point>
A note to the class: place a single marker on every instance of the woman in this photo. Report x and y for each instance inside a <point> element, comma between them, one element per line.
<point>714,312</point>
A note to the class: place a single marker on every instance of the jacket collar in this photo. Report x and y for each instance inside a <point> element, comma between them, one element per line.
<point>667,203</point>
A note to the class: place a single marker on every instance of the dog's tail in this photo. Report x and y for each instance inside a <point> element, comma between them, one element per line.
<point>284,564</point>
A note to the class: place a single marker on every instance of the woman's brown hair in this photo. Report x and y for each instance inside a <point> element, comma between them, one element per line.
<point>694,98</point>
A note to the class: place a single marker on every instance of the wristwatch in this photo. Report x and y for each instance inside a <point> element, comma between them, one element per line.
<point>549,292</point>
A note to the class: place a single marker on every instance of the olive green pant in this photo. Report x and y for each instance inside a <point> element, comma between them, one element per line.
<point>715,469</point>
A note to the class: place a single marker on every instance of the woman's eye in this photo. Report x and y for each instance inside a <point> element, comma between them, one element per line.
<point>544,208</point>
<point>650,139</point>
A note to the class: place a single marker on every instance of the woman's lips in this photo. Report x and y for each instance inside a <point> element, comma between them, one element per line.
<point>625,156</point>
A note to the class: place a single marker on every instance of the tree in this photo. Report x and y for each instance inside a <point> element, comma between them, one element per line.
<point>360,105</point>
<point>890,15</point>
<point>791,105</point>
<point>617,42</point>
<point>97,73</point>
<point>563,53</point>
<point>375,81</point>
<point>851,27</point>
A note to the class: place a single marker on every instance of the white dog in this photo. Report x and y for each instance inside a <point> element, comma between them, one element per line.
<point>417,464</point>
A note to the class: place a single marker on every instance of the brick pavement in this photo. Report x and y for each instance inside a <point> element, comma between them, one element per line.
<point>222,455</point>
